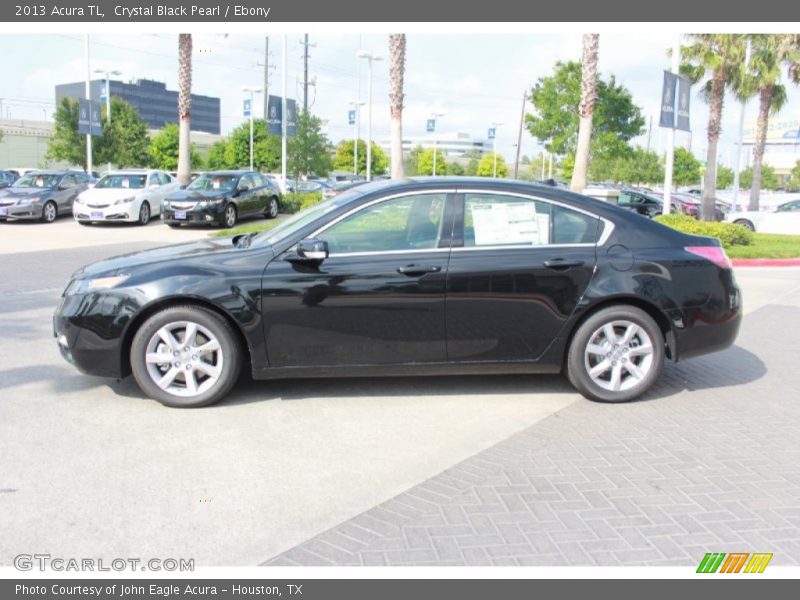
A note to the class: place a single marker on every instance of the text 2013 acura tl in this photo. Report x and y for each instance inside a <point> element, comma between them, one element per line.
<point>422,277</point>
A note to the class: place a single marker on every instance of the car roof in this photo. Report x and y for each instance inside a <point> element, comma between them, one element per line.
<point>50,172</point>
<point>232,172</point>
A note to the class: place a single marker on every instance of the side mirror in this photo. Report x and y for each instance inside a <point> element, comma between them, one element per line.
<point>312,250</point>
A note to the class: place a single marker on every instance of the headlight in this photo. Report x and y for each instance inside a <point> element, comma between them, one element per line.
<point>83,286</point>
<point>28,200</point>
<point>125,200</point>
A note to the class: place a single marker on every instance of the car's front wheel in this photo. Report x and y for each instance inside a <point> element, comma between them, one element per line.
<point>616,355</point>
<point>144,213</point>
<point>272,208</point>
<point>229,217</point>
<point>185,357</point>
<point>747,224</point>
<point>49,212</point>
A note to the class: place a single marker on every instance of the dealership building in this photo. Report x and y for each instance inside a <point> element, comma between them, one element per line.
<point>782,148</point>
<point>156,104</point>
<point>453,144</point>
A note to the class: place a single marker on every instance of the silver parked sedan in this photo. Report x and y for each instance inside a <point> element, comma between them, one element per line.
<point>42,195</point>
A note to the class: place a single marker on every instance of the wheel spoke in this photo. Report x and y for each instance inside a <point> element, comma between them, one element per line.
<point>640,350</point>
<point>596,349</point>
<point>168,378</point>
<point>191,382</point>
<point>611,336</point>
<point>600,368</point>
<point>211,346</point>
<point>616,377</point>
<point>634,370</point>
<point>169,339</point>
<point>158,357</point>
<point>191,333</point>
<point>630,333</point>
<point>209,369</point>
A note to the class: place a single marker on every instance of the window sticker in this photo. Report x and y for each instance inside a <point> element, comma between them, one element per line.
<point>126,183</point>
<point>216,183</point>
<point>505,223</point>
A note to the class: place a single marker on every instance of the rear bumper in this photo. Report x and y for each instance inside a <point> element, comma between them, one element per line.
<point>709,328</point>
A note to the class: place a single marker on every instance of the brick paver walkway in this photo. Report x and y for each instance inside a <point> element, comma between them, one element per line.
<point>709,461</point>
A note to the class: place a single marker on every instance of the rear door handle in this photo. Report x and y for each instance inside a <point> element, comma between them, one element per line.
<point>561,263</point>
<point>414,270</point>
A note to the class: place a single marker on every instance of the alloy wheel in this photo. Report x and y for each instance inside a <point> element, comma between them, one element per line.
<point>619,355</point>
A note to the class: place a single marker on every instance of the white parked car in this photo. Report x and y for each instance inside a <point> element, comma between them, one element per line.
<point>784,219</point>
<point>133,195</point>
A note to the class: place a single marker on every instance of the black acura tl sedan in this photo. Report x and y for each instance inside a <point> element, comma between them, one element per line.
<point>424,276</point>
<point>222,198</point>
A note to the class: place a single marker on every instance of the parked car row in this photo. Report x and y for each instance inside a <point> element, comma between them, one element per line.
<point>785,219</point>
<point>137,195</point>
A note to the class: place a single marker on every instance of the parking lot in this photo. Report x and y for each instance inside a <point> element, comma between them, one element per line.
<point>491,470</point>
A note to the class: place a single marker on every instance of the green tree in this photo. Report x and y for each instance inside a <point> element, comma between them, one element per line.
<point>472,167</point>
<point>770,53</point>
<point>266,148</point>
<point>686,170</point>
<point>556,98</point>
<point>724,177</point>
<point>412,160</point>
<point>718,59</point>
<point>218,156</point>
<point>486,166</point>
<point>425,162</point>
<point>454,168</point>
<point>794,177</point>
<point>769,179</point>
<point>125,142</point>
<point>164,149</point>
<point>66,144</point>
<point>309,152</point>
<point>343,158</point>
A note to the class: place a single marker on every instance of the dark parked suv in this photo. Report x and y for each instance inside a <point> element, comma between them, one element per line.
<point>42,195</point>
<point>222,198</point>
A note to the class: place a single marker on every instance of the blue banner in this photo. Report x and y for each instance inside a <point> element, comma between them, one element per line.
<point>682,112</point>
<point>431,127</point>
<point>668,100</point>
<point>247,107</point>
<point>351,117</point>
<point>492,132</point>
<point>89,121</point>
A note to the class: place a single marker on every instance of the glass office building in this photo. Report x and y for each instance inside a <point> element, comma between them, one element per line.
<point>156,104</point>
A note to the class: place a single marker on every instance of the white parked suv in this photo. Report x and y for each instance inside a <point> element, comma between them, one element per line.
<point>132,195</point>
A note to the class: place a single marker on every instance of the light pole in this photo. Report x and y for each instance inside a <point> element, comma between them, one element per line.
<point>669,162</point>
<point>738,161</point>
<point>252,92</point>
<point>494,148</point>
<point>88,93</point>
<point>356,104</point>
<point>370,57</point>
<point>435,116</point>
<point>108,75</point>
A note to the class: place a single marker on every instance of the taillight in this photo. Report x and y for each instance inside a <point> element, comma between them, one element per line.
<point>715,254</point>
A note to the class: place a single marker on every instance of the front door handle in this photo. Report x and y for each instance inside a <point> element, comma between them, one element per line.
<point>562,264</point>
<point>415,270</point>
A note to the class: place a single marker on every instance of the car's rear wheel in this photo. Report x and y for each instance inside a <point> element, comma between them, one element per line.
<point>616,355</point>
<point>272,208</point>
<point>746,223</point>
<point>144,213</point>
<point>229,218</point>
<point>49,212</point>
<point>186,357</point>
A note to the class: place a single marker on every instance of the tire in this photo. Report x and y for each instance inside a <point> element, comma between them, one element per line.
<point>49,212</point>
<point>214,372</point>
<point>174,225</point>
<point>272,208</point>
<point>229,217</point>
<point>747,224</point>
<point>144,213</point>
<point>592,348</point>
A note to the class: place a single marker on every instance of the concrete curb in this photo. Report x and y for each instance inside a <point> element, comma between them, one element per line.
<point>766,262</point>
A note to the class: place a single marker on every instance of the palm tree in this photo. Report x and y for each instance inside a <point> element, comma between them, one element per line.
<point>720,56</point>
<point>591,42</point>
<point>184,106</point>
<point>763,76</point>
<point>397,50</point>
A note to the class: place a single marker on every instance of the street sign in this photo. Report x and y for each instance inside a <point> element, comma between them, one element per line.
<point>682,111</point>
<point>668,100</point>
<point>274,115</point>
<point>247,107</point>
<point>431,126</point>
<point>103,92</point>
<point>492,132</point>
<point>89,121</point>
<point>351,117</point>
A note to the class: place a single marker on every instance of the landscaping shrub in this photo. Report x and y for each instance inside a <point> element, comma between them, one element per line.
<point>727,233</point>
<point>293,203</point>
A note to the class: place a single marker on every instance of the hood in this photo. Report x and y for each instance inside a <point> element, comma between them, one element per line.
<point>21,192</point>
<point>196,195</point>
<point>127,262</point>
<point>108,194</point>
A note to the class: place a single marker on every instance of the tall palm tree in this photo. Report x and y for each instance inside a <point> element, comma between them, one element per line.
<point>397,50</point>
<point>719,57</point>
<point>771,53</point>
<point>591,43</point>
<point>184,106</point>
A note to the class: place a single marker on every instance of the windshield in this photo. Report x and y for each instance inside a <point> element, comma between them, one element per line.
<point>298,221</point>
<point>133,182</point>
<point>213,183</point>
<point>37,181</point>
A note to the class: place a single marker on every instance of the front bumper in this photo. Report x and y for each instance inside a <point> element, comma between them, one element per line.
<point>212,214</point>
<point>121,212</point>
<point>17,212</point>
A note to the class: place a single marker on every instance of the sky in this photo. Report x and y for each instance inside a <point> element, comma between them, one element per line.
<point>474,79</point>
